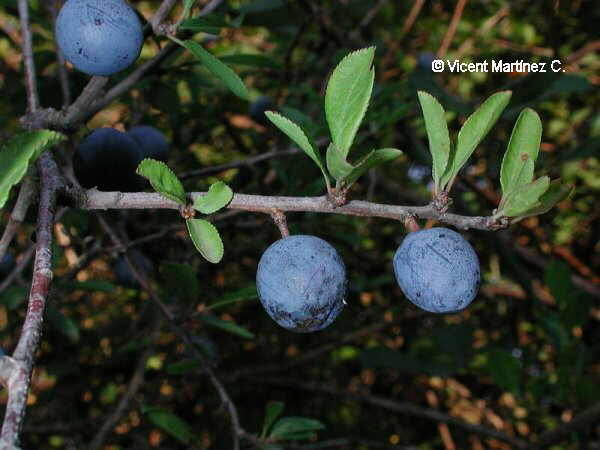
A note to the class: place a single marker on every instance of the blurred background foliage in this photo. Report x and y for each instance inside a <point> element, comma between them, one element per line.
<point>522,359</point>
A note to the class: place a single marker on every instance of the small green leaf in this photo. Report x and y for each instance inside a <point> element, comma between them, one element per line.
<point>62,323</point>
<point>274,410</point>
<point>523,146</point>
<point>373,159</point>
<point>337,165</point>
<point>170,423</point>
<point>226,325</point>
<point>218,196</point>
<point>437,134</point>
<point>525,197</point>
<point>19,153</point>
<point>217,68</point>
<point>556,193</point>
<point>295,133</point>
<point>180,280</point>
<point>162,179</point>
<point>475,128</point>
<point>295,428</point>
<point>347,96</point>
<point>206,238</point>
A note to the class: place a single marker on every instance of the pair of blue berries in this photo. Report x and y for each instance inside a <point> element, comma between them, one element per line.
<point>301,280</point>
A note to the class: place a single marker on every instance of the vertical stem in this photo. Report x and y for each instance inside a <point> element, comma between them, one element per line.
<point>30,78</point>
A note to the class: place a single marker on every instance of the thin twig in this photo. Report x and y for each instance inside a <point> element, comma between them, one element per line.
<point>460,6</point>
<point>33,101</point>
<point>26,194</point>
<point>93,199</point>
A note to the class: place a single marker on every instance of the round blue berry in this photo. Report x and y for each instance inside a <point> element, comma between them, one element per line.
<point>152,142</point>
<point>438,270</point>
<point>301,283</point>
<point>99,37</point>
<point>107,159</point>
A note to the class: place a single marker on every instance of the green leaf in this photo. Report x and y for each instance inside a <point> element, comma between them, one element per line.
<point>504,369</point>
<point>556,193</point>
<point>183,367</point>
<point>218,196</point>
<point>14,296</point>
<point>523,146</point>
<point>274,410</point>
<point>217,68</point>
<point>244,294</point>
<point>253,60</point>
<point>19,153</point>
<point>337,165</point>
<point>373,159</point>
<point>170,423</point>
<point>288,428</point>
<point>211,23</point>
<point>62,323</point>
<point>347,96</point>
<point>180,280</point>
<point>226,325</point>
<point>206,238</point>
<point>525,197</point>
<point>437,134</point>
<point>295,133</point>
<point>475,128</point>
<point>187,7</point>
<point>162,179</point>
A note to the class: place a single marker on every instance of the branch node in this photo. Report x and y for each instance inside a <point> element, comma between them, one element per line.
<point>280,220</point>
<point>338,197</point>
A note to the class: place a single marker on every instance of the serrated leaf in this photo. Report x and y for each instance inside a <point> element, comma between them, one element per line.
<point>295,428</point>
<point>295,133</point>
<point>525,197</point>
<point>437,134</point>
<point>180,280</point>
<point>556,193</point>
<point>218,196</point>
<point>523,146</point>
<point>218,69</point>
<point>162,179</point>
<point>170,423</point>
<point>347,96</point>
<point>337,165</point>
<point>373,159</point>
<point>226,325</point>
<point>206,238</point>
<point>62,323</point>
<point>273,411</point>
<point>475,128</point>
<point>19,153</point>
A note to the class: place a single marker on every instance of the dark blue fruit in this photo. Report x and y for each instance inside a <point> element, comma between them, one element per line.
<point>152,142</point>
<point>258,108</point>
<point>425,60</point>
<point>438,270</point>
<point>7,264</point>
<point>301,283</point>
<point>125,275</point>
<point>107,159</point>
<point>99,37</point>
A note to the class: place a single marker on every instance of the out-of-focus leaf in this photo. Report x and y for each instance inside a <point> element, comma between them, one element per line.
<point>347,96</point>
<point>254,60</point>
<point>14,296</point>
<point>244,294</point>
<point>226,325</point>
<point>62,323</point>
<point>170,423</point>
<point>180,280</point>
<point>295,428</point>
<point>273,411</point>
<point>504,369</point>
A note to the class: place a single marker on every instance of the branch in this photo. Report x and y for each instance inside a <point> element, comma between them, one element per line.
<point>19,379</point>
<point>460,6</point>
<point>587,417</point>
<point>94,199</point>
<point>33,101</point>
<point>398,407</point>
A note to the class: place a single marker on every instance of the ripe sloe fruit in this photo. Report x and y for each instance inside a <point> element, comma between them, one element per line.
<point>258,108</point>
<point>7,264</point>
<point>437,269</point>
<point>153,144</point>
<point>107,159</point>
<point>99,37</point>
<point>301,283</point>
<point>125,275</point>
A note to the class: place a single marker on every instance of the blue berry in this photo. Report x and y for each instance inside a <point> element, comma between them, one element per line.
<point>301,283</point>
<point>99,37</point>
<point>258,108</point>
<point>152,142</point>
<point>438,270</point>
